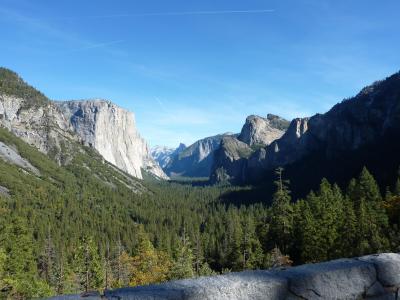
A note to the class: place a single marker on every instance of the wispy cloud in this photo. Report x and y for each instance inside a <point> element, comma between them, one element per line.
<point>30,24</point>
<point>177,13</point>
<point>161,104</point>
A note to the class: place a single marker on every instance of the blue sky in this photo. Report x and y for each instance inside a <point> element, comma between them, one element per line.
<point>190,69</point>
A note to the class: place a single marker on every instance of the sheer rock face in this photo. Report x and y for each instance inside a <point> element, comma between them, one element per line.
<point>99,124</point>
<point>230,160</point>
<point>41,126</point>
<point>262,131</point>
<point>111,130</point>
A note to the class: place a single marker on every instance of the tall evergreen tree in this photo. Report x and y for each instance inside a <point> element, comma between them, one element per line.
<point>233,238</point>
<point>183,260</point>
<point>281,224</point>
<point>251,246</point>
<point>88,266</point>
<point>372,221</point>
<point>48,262</point>
<point>309,242</point>
<point>348,229</point>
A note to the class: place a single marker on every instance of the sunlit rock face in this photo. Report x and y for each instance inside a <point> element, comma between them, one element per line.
<point>111,130</point>
<point>262,131</point>
<point>41,126</point>
<point>236,153</point>
<point>100,124</point>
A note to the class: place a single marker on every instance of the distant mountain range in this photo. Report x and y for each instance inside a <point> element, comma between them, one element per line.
<point>163,155</point>
<point>198,159</point>
<point>195,160</point>
<point>360,131</point>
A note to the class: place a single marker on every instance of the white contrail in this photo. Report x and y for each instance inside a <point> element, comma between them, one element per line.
<point>160,103</point>
<point>183,13</point>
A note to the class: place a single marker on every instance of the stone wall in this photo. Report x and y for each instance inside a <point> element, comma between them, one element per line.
<point>368,277</point>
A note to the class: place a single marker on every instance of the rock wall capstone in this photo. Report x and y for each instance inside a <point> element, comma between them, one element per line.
<point>368,277</point>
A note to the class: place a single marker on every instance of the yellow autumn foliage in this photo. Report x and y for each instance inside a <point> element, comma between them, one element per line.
<point>148,265</point>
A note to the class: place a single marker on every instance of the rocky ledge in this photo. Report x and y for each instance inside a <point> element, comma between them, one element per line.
<point>368,277</point>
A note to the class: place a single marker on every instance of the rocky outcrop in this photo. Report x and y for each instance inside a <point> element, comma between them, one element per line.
<point>368,277</point>
<point>262,131</point>
<point>55,128</point>
<point>230,160</point>
<point>10,154</point>
<point>196,160</point>
<point>111,130</point>
<point>41,126</point>
<point>163,155</point>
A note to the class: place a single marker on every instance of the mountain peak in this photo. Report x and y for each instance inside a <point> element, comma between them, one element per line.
<point>262,131</point>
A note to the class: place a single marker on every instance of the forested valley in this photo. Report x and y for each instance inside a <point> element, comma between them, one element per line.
<point>68,232</point>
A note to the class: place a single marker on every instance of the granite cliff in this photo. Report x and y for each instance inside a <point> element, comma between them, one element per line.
<point>262,131</point>
<point>110,130</point>
<point>232,157</point>
<point>52,126</point>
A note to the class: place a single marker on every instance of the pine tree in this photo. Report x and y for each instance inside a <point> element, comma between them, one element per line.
<point>233,238</point>
<point>309,238</point>
<point>281,224</point>
<point>183,260</point>
<point>88,266</point>
<point>48,262</point>
<point>348,230</point>
<point>372,221</point>
<point>251,246</point>
<point>326,207</point>
<point>198,254</point>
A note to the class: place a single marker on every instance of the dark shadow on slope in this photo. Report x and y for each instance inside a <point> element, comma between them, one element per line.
<point>247,196</point>
<point>191,181</point>
<point>382,159</point>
